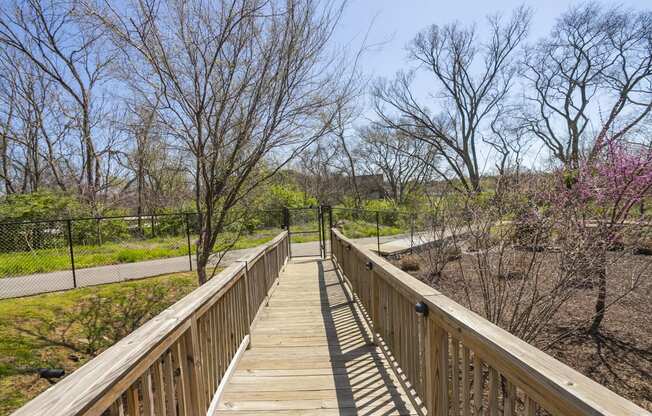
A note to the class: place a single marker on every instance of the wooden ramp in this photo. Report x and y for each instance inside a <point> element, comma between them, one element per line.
<point>311,354</point>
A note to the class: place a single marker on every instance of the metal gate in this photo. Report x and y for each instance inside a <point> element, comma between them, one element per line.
<point>306,231</point>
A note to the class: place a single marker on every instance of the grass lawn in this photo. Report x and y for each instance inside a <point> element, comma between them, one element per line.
<point>360,229</point>
<point>351,229</point>
<point>53,330</point>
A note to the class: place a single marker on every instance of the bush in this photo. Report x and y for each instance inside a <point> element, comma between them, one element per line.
<point>409,263</point>
<point>389,212</point>
<point>38,206</point>
<point>105,320</point>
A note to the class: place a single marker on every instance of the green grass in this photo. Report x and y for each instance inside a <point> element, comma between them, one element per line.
<point>351,229</point>
<point>360,229</point>
<point>37,331</point>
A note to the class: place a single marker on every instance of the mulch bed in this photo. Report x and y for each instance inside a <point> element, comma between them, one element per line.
<point>620,356</point>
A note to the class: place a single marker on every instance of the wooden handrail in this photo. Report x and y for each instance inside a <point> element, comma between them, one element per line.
<point>456,360</point>
<point>175,362</point>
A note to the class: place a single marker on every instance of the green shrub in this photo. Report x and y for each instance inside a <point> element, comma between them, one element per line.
<point>38,206</point>
<point>388,211</point>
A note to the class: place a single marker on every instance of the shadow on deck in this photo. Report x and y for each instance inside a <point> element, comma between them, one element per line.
<point>311,354</point>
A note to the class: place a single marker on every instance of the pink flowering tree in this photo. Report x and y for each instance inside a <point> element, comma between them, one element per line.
<point>598,200</point>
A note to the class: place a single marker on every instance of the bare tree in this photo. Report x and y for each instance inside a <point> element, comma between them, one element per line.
<point>404,162</point>
<point>592,77</point>
<point>317,177</point>
<point>348,162</point>
<point>29,162</point>
<point>509,139</point>
<point>239,81</point>
<point>453,54</point>
<point>57,41</point>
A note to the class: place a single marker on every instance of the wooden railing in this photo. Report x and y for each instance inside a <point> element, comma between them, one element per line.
<point>457,362</point>
<point>176,363</point>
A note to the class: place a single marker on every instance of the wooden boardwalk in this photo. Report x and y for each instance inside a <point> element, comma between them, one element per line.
<point>311,354</point>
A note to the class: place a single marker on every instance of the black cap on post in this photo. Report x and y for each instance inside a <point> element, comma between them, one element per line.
<point>421,308</point>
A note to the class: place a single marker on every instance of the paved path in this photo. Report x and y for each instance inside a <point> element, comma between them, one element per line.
<point>311,354</point>
<point>11,287</point>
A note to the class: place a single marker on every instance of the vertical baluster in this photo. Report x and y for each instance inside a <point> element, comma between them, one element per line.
<point>510,399</point>
<point>146,391</point>
<point>168,373</point>
<point>216,345</point>
<point>183,381</point>
<point>208,342</point>
<point>429,359</point>
<point>478,385</point>
<point>222,338</point>
<point>117,407</point>
<point>133,402</point>
<point>195,367</point>
<point>455,344</point>
<point>466,397</point>
<point>530,407</point>
<point>443,371</point>
<point>493,391</point>
<point>159,383</point>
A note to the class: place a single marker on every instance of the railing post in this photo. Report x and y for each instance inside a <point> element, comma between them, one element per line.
<point>373,304</point>
<point>247,302</point>
<point>72,254</point>
<point>421,310</point>
<point>188,240</point>
<point>267,276</point>
<point>378,230</point>
<point>152,225</point>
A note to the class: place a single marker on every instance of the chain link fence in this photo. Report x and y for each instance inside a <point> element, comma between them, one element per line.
<point>54,255</point>
<point>388,232</point>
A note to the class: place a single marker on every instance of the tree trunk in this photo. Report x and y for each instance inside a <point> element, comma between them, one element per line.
<point>601,298</point>
<point>203,255</point>
<point>201,269</point>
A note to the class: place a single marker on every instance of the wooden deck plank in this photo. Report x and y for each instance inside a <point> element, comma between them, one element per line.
<point>311,355</point>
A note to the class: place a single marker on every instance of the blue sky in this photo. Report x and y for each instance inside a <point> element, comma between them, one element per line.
<point>394,23</point>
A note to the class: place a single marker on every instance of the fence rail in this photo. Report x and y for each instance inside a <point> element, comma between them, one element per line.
<point>177,362</point>
<point>456,361</point>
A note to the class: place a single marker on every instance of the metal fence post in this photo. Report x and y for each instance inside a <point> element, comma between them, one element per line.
<point>378,230</point>
<point>188,239</point>
<point>286,218</point>
<point>152,225</point>
<point>411,233</point>
<point>330,227</point>
<point>72,254</point>
<point>322,232</point>
<point>99,232</point>
<point>286,212</point>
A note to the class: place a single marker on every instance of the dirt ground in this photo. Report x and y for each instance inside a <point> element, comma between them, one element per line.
<point>619,357</point>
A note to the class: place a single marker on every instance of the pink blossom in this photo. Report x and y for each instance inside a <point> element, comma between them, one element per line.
<point>609,184</point>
